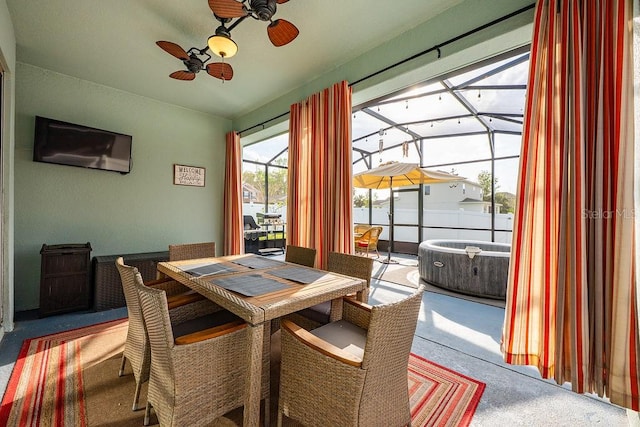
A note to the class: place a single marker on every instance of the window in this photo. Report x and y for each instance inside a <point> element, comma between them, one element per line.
<point>467,124</point>
<point>264,177</point>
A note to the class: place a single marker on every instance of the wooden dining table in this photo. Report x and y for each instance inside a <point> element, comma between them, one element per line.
<point>260,289</point>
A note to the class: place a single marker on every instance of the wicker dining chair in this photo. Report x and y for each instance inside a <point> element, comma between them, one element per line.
<point>187,251</point>
<point>349,265</point>
<point>300,255</point>
<point>368,242</point>
<point>192,251</point>
<point>183,309</point>
<point>353,371</point>
<point>198,377</point>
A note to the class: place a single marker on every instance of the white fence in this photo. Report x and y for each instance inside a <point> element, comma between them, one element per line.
<point>433,218</point>
<point>437,218</point>
<point>254,208</point>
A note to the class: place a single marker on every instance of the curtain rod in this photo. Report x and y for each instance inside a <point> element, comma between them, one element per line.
<point>417,55</point>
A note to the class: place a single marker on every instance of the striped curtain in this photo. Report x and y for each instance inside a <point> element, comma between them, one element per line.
<point>233,223</point>
<point>319,208</point>
<point>572,299</point>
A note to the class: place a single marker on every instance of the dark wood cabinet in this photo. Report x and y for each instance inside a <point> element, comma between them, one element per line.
<point>65,278</point>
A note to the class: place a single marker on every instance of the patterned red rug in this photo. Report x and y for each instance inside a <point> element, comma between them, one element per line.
<point>70,379</point>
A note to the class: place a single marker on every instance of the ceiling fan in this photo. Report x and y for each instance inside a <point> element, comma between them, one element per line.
<point>279,31</point>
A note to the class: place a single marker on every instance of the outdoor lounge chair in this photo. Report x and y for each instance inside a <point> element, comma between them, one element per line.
<point>353,371</point>
<point>359,229</point>
<point>368,242</point>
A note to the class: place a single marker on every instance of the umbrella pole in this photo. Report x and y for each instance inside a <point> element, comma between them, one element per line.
<point>389,260</point>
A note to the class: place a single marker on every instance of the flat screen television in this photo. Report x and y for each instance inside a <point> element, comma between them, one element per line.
<point>69,144</point>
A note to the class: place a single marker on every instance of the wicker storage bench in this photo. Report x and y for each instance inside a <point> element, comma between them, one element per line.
<point>107,288</point>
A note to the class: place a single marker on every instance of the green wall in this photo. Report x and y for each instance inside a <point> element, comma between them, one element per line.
<point>139,212</point>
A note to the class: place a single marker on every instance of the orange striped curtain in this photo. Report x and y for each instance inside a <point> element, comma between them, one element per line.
<point>319,208</point>
<point>233,223</point>
<point>572,299</point>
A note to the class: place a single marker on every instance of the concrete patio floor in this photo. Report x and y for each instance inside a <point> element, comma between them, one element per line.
<point>465,335</point>
<point>459,334</point>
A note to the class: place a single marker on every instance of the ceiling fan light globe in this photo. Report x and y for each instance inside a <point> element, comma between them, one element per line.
<point>222,46</point>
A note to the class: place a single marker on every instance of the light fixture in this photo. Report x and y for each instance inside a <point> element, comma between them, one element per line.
<point>221,44</point>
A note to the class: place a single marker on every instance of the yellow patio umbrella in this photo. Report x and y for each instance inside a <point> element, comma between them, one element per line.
<point>395,174</point>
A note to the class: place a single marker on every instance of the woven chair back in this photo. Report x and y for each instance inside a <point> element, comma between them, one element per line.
<point>350,265</point>
<point>156,316</point>
<point>374,236</point>
<point>136,346</point>
<point>361,228</point>
<point>386,355</point>
<point>300,255</point>
<point>192,251</point>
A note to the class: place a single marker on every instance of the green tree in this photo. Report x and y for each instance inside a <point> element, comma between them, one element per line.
<point>360,201</point>
<point>484,179</point>
<point>507,201</point>
<point>277,181</point>
<point>255,179</point>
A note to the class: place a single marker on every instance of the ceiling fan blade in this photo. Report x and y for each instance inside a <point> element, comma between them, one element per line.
<point>220,70</point>
<point>182,75</point>
<point>174,50</point>
<point>282,32</point>
<point>227,8</point>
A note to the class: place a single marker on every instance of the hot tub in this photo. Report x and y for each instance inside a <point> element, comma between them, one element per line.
<point>466,266</point>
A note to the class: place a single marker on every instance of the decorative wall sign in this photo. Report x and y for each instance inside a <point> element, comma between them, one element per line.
<point>188,175</point>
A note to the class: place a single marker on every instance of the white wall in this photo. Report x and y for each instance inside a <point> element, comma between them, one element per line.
<point>442,196</point>
<point>7,109</point>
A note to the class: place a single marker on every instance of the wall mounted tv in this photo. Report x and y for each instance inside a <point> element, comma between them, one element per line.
<point>75,145</point>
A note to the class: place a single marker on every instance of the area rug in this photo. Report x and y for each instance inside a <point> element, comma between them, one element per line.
<point>70,379</point>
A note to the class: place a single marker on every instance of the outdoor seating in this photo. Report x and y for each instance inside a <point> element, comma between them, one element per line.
<point>300,255</point>
<point>368,242</point>
<point>353,371</point>
<point>136,348</point>
<point>359,229</point>
<point>349,265</point>
<point>192,251</point>
<point>195,377</point>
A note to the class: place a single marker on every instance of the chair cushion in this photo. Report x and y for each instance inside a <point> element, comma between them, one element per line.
<point>205,322</point>
<point>362,244</point>
<point>344,335</point>
<point>318,313</point>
